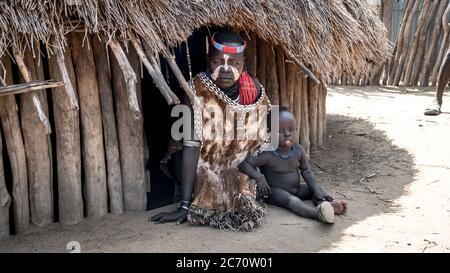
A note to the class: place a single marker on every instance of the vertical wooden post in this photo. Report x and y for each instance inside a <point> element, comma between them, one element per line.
<point>5,199</point>
<point>324,114</point>
<point>304,131</point>
<point>297,107</point>
<point>312,107</point>
<point>424,43</point>
<point>281,70</point>
<point>413,53</point>
<point>291,86</point>
<point>394,60</point>
<point>68,149</point>
<point>320,115</point>
<point>16,153</point>
<point>44,102</point>
<point>251,54</point>
<point>37,150</point>
<point>93,155</point>
<point>114,175</point>
<point>262,61</point>
<point>271,76</point>
<point>443,48</point>
<point>130,132</point>
<point>431,51</point>
<point>402,52</point>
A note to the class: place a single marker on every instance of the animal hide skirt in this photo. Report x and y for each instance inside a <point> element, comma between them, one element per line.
<point>224,197</point>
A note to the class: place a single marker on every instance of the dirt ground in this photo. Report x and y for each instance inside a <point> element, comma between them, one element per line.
<point>382,155</point>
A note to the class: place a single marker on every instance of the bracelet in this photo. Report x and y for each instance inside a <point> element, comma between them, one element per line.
<point>184,205</point>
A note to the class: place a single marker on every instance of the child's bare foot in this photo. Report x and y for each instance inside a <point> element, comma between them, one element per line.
<point>325,212</point>
<point>339,206</point>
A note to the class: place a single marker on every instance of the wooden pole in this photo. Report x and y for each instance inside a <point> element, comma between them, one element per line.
<point>15,89</point>
<point>386,17</point>
<point>418,35</point>
<point>430,54</point>
<point>114,175</point>
<point>16,154</point>
<point>281,69</point>
<point>403,51</point>
<point>5,199</point>
<point>320,115</point>
<point>68,146</point>
<point>177,72</point>
<point>305,70</point>
<point>93,155</point>
<point>304,131</point>
<point>312,115</point>
<point>324,112</point>
<point>251,54</point>
<point>130,133</point>
<point>443,47</point>
<point>154,71</point>
<point>262,61</point>
<point>271,76</point>
<point>423,44</point>
<point>296,85</point>
<point>393,62</point>
<point>69,87</point>
<point>291,86</point>
<point>41,75</point>
<point>37,147</point>
<point>31,99</point>
<point>129,77</point>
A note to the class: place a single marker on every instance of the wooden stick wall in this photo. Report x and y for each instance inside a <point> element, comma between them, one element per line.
<point>418,50</point>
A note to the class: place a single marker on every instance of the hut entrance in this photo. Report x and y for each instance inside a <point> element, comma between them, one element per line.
<point>158,121</point>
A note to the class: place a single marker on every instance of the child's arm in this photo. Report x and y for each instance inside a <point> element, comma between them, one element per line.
<point>248,167</point>
<point>309,177</point>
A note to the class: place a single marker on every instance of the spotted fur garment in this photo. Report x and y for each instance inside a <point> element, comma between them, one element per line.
<point>223,196</point>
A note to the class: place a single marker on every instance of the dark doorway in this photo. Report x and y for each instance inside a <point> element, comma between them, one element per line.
<point>157,118</point>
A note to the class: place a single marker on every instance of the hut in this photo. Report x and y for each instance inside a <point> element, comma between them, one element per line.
<point>87,87</point>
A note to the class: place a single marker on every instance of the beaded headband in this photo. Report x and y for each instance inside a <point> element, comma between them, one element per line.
<point>227,49</point>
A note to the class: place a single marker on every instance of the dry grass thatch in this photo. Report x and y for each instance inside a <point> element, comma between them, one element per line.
<point>329,36</point>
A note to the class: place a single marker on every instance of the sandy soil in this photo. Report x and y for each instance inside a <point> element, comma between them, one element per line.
<point>382,155</point>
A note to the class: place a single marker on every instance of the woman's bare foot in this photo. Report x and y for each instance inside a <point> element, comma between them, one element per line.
<point>339,206</point>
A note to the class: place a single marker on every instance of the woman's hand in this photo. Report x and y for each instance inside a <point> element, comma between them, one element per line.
<point>179,216</point>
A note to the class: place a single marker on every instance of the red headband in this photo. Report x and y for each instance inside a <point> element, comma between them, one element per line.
<point>227,49</point>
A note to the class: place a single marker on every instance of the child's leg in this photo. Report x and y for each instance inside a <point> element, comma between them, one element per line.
<point>305,193</point>
<point>282,198</point>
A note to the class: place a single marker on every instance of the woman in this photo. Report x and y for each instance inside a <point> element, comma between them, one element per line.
<point>229,121</point>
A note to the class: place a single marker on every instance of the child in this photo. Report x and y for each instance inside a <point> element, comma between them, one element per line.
<point>279,180</point>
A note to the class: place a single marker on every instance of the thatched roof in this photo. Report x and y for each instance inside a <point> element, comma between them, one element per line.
<point>327,35</point>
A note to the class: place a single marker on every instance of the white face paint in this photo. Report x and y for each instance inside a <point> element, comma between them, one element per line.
<point>226,67</point>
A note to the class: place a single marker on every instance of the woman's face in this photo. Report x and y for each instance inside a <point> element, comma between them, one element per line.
<point>226,68</point>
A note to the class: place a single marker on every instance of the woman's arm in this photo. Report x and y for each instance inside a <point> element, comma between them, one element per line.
<point>189,162</point>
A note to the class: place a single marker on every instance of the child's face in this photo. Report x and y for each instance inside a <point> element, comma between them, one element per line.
<point>286,130</point>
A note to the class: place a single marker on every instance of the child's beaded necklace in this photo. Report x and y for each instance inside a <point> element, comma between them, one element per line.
<point>285,157</point>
